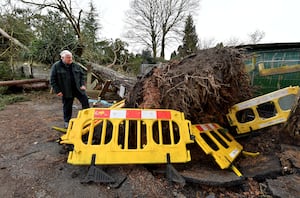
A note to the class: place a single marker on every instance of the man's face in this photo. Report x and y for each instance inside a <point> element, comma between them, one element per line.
<point>67,59</point>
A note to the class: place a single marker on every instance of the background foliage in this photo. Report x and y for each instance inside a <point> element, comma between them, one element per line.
<point>47,27</point>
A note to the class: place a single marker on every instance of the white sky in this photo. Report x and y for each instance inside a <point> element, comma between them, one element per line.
<point>222,19</point>
<point>219,20</point>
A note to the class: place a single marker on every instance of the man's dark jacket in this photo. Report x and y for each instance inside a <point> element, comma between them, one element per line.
<point>60,78</point>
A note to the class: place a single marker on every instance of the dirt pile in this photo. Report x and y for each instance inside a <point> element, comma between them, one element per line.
<point>203,85</point>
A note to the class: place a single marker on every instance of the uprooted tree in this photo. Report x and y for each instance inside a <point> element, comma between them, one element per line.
<point>203,85</point>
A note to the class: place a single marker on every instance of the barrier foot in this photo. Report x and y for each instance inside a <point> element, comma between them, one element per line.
<point>62,130</point>
<point>97,175</point>
<point>251,154</point>
<point>172,174</point>
<point>236,171</point>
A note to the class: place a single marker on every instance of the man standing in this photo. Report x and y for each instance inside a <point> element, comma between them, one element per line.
<point>67,82</point>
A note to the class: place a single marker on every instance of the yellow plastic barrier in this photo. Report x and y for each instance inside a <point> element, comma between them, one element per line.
<point>128,136</point>
<point>216,141</point>
<point>263,111</point>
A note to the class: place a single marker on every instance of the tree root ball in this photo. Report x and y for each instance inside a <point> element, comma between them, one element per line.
<point>203,85</point>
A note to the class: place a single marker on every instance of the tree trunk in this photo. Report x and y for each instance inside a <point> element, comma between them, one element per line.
<point>117,78</point>
<point>21,82</point>
<point>163,45</point>
<point>154,49</point>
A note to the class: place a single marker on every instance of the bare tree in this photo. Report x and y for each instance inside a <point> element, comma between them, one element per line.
<point>206,43</point>
<point>256,36</point>
<point>172,18</point>
<point>154,22</point>
<point>142,20</point>
<point>233,41</point>
<point>66,8</point>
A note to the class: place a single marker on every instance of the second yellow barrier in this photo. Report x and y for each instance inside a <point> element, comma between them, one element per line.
<point>216,141</point>
<point>263,111</point>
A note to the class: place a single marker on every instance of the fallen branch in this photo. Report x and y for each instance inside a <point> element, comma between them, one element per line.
<point>15,41</point>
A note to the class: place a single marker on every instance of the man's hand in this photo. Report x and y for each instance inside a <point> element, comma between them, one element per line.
<point>60,94</point>
<point>83,88</point>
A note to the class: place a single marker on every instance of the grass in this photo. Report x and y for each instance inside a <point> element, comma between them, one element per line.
<point>11,99</point>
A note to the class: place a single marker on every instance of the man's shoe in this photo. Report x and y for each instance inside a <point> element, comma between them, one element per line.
<point>66,125</point>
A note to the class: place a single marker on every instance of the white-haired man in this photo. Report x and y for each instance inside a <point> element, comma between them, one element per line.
<point>67,81</point>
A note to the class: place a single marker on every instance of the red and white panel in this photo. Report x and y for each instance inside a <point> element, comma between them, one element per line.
<point>132,114</point>
<point>118,114</point>
<point>207,127</point>
<point>102,113</point>
<point>149,115</point>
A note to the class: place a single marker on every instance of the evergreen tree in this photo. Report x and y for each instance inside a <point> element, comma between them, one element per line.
<point>147,57</point>
<point>190,38</point>
<point>90,28</point>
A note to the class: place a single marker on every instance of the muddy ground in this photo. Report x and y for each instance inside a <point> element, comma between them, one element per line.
<point>32,164</point>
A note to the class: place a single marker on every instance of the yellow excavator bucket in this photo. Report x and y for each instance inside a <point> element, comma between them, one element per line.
<point>128,136</point>
<point>263,111</point>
